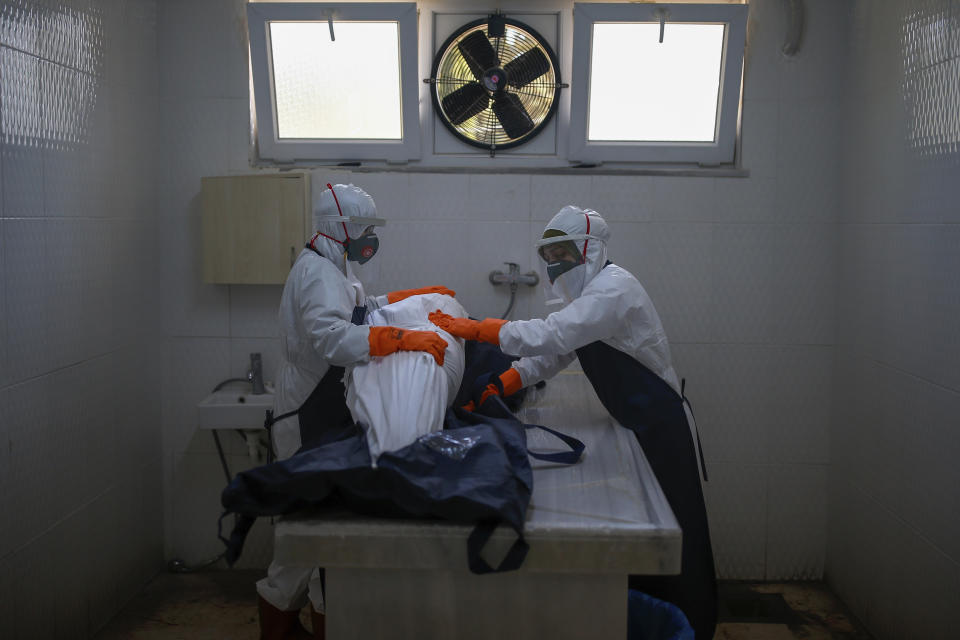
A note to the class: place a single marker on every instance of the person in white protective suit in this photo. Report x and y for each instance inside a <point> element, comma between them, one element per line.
<point>321,316</point>
<point>610,324</point>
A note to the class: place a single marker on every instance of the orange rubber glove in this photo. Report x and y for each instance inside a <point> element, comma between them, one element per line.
<point>486,330</point>
<point>510,382</point>
<point>387,340</point>
<point>403,294</point>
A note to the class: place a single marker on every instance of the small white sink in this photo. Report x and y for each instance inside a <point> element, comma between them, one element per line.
<point>234,408</point>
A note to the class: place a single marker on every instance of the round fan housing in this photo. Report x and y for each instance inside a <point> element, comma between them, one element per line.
<point>495,83</point>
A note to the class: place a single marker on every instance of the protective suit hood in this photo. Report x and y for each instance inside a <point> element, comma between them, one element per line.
<point>335,225</point>
<point>589,232</point>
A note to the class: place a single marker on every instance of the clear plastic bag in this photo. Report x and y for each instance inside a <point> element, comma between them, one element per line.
<point>451,445</point>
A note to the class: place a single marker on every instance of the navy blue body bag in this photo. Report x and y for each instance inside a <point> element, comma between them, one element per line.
<point>474,471</point>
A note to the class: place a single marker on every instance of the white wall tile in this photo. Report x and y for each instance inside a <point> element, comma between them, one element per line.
<point>448,265</point>
<point>192,368</point>
<point>674,264</point>
<point>736,498</point>
<point>22,181</point>
<point>762,52</point>
<point>29,308</point>
<point>204,49</point>
<point>796,522</point>
<point>390,191</point>
<point>758,131</point>
<point>202,137</point>
<point>6,375</point>
<point>750,200</point>
<point>191,307</point>
<point>626,198</point>
<point>443,196</point>
<point>774,283</point>
<point>551,193</point>
<point>683,200</point>
<point>498,197</point>
<point>253,310</point>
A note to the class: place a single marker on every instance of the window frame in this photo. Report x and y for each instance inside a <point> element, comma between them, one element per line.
<point>722,149</point>
<point>259,16</point>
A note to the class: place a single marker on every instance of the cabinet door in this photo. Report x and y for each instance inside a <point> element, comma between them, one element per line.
<point>253,227</point>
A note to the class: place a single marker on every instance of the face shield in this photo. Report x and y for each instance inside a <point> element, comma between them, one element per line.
<point>360,246</point>
<point>564,265</point>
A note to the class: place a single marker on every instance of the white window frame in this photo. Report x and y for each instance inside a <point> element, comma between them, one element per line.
<point>270,147</point>
<point>723,147</point>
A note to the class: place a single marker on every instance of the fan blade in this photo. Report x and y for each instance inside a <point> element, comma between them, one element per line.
<point>526,68</point>
<point>478,53</point>
<point>465,102</point>
<point>513,117</point>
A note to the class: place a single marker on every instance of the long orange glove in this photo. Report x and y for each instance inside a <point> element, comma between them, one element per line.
<point>403,294</point>
<point>486,330</point>
<point>387,340</point>
<point>506,384</point>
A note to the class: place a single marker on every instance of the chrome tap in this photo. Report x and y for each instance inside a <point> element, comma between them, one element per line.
<point>255,374</point>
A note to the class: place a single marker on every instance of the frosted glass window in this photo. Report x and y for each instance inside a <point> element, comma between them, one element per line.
<point>349,97</point>
<point>346,88</point>
<point>642,89</point>
<point>635,98</point>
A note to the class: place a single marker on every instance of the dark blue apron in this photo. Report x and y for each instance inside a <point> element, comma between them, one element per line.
<point>324,416</point>
<point>641,401</point>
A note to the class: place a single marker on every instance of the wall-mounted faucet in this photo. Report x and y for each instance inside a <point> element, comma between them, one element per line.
<point>514,278</point>
<point>255,374</point>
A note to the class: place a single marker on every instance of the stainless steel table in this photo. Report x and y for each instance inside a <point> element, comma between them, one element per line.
<point>589,525</point>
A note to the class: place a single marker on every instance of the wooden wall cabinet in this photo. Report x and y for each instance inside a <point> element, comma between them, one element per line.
<point>253,226</point>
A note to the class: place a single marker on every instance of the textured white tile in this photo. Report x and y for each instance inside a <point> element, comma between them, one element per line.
<point>759,135</point>
<point>796,522</point>
<point>28,276</point>
<point>736,498</point>
<point>808,163</point>
<point>390,191</point>
<point>926,258</point>
<point>203,48</point>
<point>674,264</point>
<point>626,198</point>
<point>683,200</point>
<point>926,584</point>
<point>191,307</point>
<point>551,193</point>
<point>442,196</point>
<point>750,200</point>
<point>762,51</point>
<point>817,70</point>
<point>442,259</point>
<point>774,283</point>
<point>22,181</point>
<point>202,137</point>
<point>6,375</point>
<point>192,368</point>
<point>928,448</point>
<point>253,310</point>
<point>799,394</point>
<point>498,197</point>
<point>29,439</point>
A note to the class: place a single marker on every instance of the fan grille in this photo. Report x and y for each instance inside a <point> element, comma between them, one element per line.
<point>533,82</point>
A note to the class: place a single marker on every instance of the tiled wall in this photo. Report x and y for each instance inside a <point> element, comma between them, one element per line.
<point>894,512</point>
<point>742,271</point>
<point>80,479</point>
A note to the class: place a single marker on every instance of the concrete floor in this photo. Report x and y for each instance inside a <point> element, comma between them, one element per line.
<point>219,605</point>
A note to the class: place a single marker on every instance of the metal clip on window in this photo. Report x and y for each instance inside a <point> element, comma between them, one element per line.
<point>662,14</point>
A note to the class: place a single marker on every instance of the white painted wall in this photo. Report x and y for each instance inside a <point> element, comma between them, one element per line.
<point>81,523</point>
<point>894,484</point>
<point>742,271</point>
